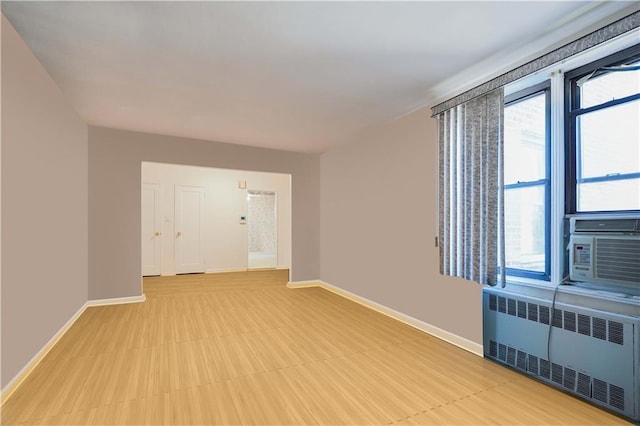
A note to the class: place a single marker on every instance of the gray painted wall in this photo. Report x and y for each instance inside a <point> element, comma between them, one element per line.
<point>44,207</point>
<point>115,158</point>
<point>379,221</point>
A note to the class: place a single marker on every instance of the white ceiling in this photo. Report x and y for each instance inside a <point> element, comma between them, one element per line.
<point>299,76</point>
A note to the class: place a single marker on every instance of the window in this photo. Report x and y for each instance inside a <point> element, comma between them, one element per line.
<point>527,182</point>
<point>603,134</point>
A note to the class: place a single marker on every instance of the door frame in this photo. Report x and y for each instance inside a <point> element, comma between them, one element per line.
<point>275,212</point>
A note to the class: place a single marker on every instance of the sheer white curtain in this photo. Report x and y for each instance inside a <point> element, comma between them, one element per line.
<point>471,168</point>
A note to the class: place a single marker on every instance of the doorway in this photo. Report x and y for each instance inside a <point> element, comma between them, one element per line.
<point>262,229</point>
<point>204,219</point>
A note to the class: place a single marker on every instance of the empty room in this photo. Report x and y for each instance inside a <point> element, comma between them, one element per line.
<point>323,213</point>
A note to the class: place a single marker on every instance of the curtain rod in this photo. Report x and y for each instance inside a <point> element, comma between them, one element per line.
<point>619,27</point>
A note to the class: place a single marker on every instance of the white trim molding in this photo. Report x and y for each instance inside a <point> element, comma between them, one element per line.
<point>224,270</point>
<point>117,300</point>
<point>305,284</point>
<point>454,339</point>
<point>11,387</point>
<point>19,378</point>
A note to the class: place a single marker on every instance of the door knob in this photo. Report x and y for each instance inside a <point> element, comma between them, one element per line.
<point>178,234</point>
<point>157,234</point>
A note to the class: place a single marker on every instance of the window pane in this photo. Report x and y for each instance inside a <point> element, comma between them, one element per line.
<point>610,195</point>
<point>524,140</point>
<point>525,228</point>
<point>607,87</point>
<point>609,140</point>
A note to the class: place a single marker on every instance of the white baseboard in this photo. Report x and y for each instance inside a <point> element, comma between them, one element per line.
<point>223,270</point>
<point>454,339</point>
<point>19,378</point>
<point>10,388</point>
<point>304,284</point>
<point>117,300</point>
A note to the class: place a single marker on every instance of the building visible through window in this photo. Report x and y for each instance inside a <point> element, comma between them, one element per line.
<point>527,182</point>
<point>603,128</point>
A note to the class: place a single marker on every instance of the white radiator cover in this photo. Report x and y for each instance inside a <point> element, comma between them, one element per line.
<point>595,355</point>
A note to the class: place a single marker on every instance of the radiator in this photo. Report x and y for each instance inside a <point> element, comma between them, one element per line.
<point>594,354</point>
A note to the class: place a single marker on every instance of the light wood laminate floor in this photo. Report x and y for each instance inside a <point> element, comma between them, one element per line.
<point>241,348</point>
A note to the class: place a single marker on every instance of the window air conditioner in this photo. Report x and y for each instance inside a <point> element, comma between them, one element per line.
<point>605,250</point>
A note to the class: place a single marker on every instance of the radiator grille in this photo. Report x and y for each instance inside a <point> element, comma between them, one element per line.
<point>532,366</point>
<point>616,396</point>
<point>502,352</point>
<point>599,328</point>
<point>521,361</point>
<point>569,321</point>
<point>569,378</point>
<point>502,304</point>
<point>600,390</point>
<point>545,369</point>
<point>557,318</point>
<point>566,377</point>
<point>511,356</point>
<point>533,312</point>
<point>584,385</point>
<point>584,324</point>
<point>493,349</point>
<point>615,332</point>
<point>617,259</point>
<point>556,373</point>
<point>511,307</point>
<point>544,315</point>
<point>522,309</point>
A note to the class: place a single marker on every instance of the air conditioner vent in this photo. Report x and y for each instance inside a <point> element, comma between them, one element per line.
<point>600,390</point>
<point>616,397</point>
<point>493,302</point>
<point>533,364</point>
<point>584,324</point>
<point>615,332</point>
<point>599,328</point>
<point>556,373</point>
<point>569,378</point>
<point>584,385</point>
<point>544,314</point>
<point>511,309</point>
<point>606,225</point>
<point>617,259</point>
<point>533,312</point>
<point>569,321</point>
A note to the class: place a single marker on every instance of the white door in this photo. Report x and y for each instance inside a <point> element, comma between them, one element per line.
<point>151,229</point>
<point>190,229</point>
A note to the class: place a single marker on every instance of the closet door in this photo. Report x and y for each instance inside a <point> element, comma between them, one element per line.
<point>190,229</point>
<point>151,229</point>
